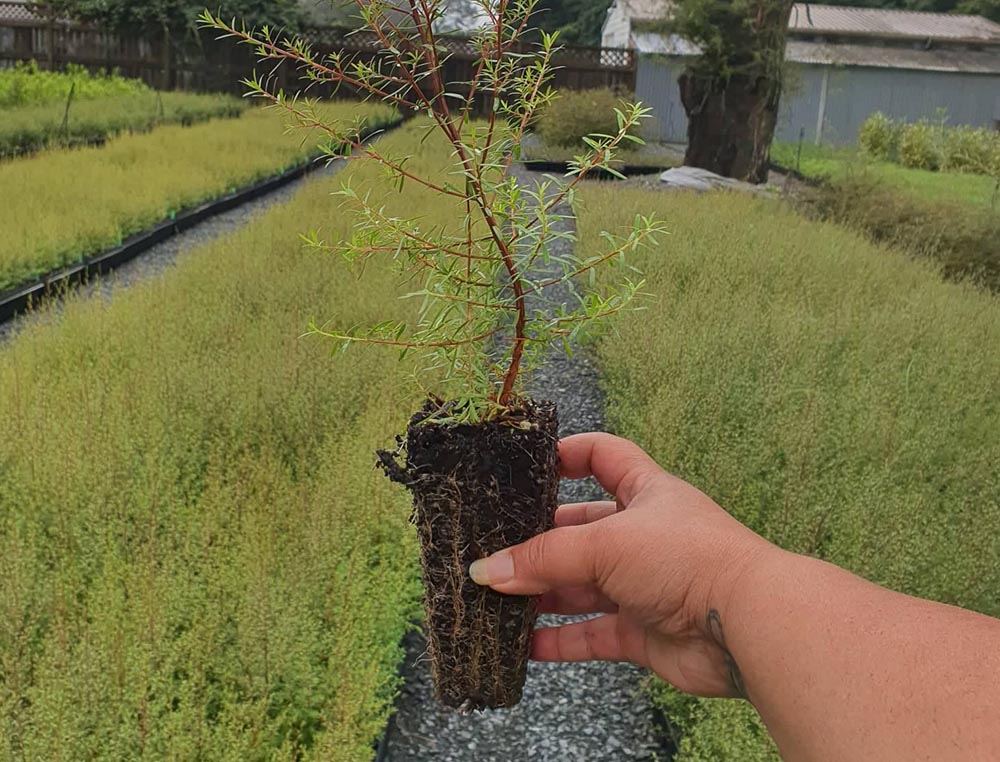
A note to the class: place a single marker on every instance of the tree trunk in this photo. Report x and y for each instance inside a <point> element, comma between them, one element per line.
<point>730,124</point>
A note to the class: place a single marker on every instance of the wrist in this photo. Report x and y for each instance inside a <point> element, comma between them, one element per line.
<point>733,593</point>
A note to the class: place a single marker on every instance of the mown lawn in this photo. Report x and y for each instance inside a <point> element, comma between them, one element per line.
<point>64,205</point>
<point>198,559</point>
<point>839,398</point>
<point>822,162</point>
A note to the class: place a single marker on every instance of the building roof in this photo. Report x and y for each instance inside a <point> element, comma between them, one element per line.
<point>952,58</point>
<point>940,58</point>
<point>843,21</point>
<point>891,24</point>
<point>838,36</point>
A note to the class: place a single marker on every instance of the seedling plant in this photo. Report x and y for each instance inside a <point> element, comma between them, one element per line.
<point>480,456</point>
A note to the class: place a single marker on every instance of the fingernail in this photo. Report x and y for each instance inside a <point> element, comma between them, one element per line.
<point>495,570</point>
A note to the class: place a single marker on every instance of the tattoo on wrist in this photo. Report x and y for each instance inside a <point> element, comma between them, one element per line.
<point>733,673</point>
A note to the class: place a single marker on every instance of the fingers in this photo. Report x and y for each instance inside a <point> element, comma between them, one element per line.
<point>606,638</point>
<point>575,514</point>
<point>562,557</point>
<point>620,466</point>
<point>576,600</point>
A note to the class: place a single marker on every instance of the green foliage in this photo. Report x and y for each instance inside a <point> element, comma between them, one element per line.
<point>575,114</point>
<point>26,129</point>
<point>197,558</point>
<point>578,22</point>
<point>179,17</point>
<point>919,146</point>
<point>822,162</point>
<point>835,396</point>
<point>879,137</point>
<point>988,8</point>
<point>932,146</point>
<point>703,730</point>
<point>744,38</point>
<point>475,275</point>
<point>970,149</point>
<point>962,237</point>
<point>26,84</point>
<point>61,206</point>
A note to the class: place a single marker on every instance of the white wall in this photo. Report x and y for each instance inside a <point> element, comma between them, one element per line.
<point>853,93</point>
<point>617,29</point>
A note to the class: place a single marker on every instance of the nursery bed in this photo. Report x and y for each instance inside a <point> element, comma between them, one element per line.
<point>18,300</point>
<point>833,395</point>
<point>211,462</point>
<point>63,206</point>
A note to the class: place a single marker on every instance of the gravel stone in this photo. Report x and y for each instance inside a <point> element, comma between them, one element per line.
<point>585,711</point>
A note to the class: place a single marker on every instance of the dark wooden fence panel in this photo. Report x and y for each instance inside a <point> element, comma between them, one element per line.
<point>211,65</point>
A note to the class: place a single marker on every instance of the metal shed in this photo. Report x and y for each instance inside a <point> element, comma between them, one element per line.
<point>843,65</point>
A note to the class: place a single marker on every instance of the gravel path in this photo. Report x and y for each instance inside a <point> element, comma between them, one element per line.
<point>585,712</point>
<point>163,256</point>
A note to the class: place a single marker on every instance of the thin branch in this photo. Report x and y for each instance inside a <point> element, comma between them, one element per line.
<point>404,344</point>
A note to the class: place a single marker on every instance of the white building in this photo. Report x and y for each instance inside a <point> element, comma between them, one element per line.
<point>844,64</point>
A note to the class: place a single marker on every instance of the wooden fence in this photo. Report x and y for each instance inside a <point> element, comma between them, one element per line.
<point>206,64</point>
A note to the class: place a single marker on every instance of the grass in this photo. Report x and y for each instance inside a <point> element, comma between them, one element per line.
<point>198,559</point>
<point>64,205</point>
<point>824,162</point>
<point>950,217</point>
<point>30,128</point>
<point>975,190</point>
<point>835,396</point>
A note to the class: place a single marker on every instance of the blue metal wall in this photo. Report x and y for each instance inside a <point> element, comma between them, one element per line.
<point>852,95</point>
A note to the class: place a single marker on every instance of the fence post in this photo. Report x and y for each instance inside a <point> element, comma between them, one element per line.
<point>167,84</point>
<point>50,42</point>
<point>69,102</point>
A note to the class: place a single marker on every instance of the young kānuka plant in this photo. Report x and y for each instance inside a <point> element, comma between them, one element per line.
<point>480,456</point>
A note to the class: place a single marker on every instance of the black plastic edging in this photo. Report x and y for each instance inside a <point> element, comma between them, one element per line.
<point>562,167</point>
<point>21,298</point>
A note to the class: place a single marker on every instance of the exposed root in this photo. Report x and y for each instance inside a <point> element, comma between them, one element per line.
<point>476,490</point>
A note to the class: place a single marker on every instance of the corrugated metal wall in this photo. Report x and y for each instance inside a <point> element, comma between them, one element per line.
<point>852,95</point>
<point>656,86</point>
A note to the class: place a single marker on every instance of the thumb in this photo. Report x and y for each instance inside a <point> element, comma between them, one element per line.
<point>564,557</point>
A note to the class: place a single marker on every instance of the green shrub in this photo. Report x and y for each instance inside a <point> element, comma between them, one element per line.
<point>575,114</point>
<point>967,149</point>
<point>919,146</point>
<point>198,560</point>
<point>61,206</point>
<point>835,396</point>
<point>26,129</point>
<point>963,238</point>
<point>879,137</point>
<point>26,84</point>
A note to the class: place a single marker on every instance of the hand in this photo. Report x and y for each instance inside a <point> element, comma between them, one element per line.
<point>661,564</point>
